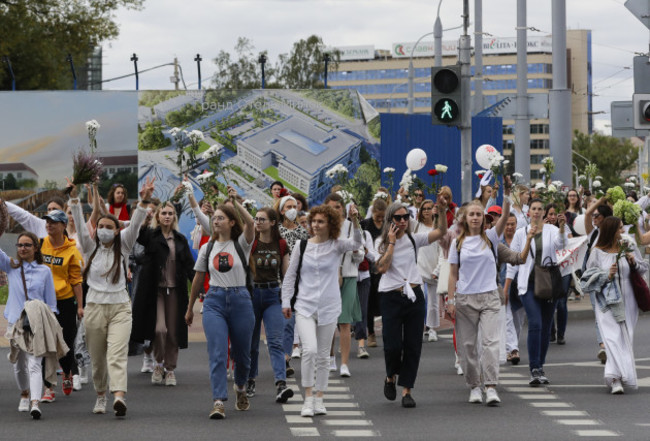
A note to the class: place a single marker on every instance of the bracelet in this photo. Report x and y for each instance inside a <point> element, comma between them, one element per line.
<point>391,243</point>
<point>451,301</point>
<point>145,201</point>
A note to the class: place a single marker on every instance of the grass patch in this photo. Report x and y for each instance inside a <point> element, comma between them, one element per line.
<point>4,293</point>
<point>203,146</point>
<point>273,172</point>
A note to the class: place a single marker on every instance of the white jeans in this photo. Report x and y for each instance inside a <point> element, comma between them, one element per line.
<point>433,305</point>
<point>27,371</point>
<point>316,343</point>
<point>514,323</point>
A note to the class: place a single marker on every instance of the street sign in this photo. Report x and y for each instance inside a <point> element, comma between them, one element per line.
<point>641,74</point>
<point>640,9</point>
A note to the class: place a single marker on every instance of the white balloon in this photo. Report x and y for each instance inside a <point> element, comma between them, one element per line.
<point>484,155</point>
<point>579,225</point>
<point>416,159</point>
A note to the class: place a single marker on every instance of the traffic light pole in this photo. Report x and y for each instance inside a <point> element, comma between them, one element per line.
<point>465,109</point>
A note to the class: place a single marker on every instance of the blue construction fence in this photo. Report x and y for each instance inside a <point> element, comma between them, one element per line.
<point>401,133</point>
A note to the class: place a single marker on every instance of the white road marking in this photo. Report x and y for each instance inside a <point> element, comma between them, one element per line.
<point>327,396</point>
<point>340,422</point>
<point>297,419</point>
<point>564,413</point>
<point>579,422</point>
<point>508,382</point>
<point>510,375</point>
<point>548,396</point>
<point>355,433</point>
<point>526,390</point>
<point>304,431</point>
<point>551,404</point>
<point>593,433</point>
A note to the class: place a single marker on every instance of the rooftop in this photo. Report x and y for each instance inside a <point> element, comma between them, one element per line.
<point>16,166</point>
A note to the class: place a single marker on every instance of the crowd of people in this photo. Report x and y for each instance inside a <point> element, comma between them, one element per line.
<point>86,290</point>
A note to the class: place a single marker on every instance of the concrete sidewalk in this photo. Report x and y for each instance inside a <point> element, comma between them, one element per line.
<point>577,310</point>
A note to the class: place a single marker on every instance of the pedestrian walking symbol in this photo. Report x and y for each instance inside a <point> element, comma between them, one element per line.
<point>446,110</point>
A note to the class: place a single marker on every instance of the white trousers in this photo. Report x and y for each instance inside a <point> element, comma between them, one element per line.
<point>27,371</point>
<point>514,324</point>
<point>316,343</point>
<point>433,305</point>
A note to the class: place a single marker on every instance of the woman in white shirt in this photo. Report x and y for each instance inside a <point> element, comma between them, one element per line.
<point>317,302</point>
<point>539,312</point>
<point>227,308</point>
<point>401,297</point>
<point>108,305</point>
<point>474,299</point>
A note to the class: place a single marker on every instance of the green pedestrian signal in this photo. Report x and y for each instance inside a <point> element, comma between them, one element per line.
<point>445,95</point>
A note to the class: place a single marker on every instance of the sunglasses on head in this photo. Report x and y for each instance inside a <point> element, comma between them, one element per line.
<point>401,217</point>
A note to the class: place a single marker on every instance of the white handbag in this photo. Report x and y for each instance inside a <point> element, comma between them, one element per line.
<point>443,276</point>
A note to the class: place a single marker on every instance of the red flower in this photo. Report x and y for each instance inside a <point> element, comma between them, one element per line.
<point>480,176</point>
<point>284,192</point>
<point>433,172</point>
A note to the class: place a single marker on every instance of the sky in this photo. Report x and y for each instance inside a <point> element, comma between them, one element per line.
<point>167,28</point>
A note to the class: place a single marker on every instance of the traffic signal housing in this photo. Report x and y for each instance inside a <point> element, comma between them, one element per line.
<point>445,95</point>
<point>641,108</point>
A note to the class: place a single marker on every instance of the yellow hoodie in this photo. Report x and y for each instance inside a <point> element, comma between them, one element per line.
<point>66,263</point>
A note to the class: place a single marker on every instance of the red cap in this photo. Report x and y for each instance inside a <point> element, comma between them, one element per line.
<point>495,209</point>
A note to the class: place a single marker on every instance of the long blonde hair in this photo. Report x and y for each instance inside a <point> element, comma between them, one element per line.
<point>155,223</point>
<point>464,227</point>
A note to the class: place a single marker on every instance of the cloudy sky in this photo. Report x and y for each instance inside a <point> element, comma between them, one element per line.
<point>169,28</point>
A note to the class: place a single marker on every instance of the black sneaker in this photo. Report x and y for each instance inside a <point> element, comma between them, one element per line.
<point>542,377</point>
<point>408,401</point>
<point>284,393</point>
<point>290,370</point>
<point>535,379</point>
<point>250,388</point>
<point>390,392</point>
<point>561,340</point>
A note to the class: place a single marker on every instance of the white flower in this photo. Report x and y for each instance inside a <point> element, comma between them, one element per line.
<point>407,180</point>
<point>542,170</point>
<point>92,125</point>
<point>506,162</point>
<point>249,203</point>
<point>517,175</point>
<point>195,136</point>
<point>347,196</point>
<point>174,131</point>
<point>632,178</point>
<point>582,178</point>
<point>441,168</point>
<point>389,170</point>
<point>335,170</point>
<point>204,176</point>
<point>552,188</point>
<point>646,189</point>
<point>596,184</point>
<point>188,186</point>
<point>540,186</point>
<point>558,184</point>
<point>212,151</point>
<point>600,178</point>
<point>380,195</point>
<point>629,185</point>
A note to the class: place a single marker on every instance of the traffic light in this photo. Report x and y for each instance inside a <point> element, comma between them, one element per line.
<point>641,108</point>
<point>445,95</point>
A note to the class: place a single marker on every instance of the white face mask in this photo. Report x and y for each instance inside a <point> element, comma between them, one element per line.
<point>105,235</point>
<point>291,214</point>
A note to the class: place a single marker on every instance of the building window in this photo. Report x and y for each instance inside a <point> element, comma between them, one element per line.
<point>19,175</point>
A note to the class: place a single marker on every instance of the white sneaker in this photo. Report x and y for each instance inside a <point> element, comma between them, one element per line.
<point>158,375</point>
<point>147,364</point>
<point>333,363</point>
<point>24,405</point>
<point>100,404</point>
<point>83,375</point>
<point>76,382</point>
<point>35,412</point>
<point>296,352</point>
<point>308,407</point>
<point>476,396</point>
<point>617,387</point>
<point>319,406</point>
<point>433,335</point>
<point>492,397</point>
<point>345,372</point>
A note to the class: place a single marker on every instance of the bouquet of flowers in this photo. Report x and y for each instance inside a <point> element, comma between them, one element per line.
<point>338,173</point>
<point>548,168</point>
<point>552,194</point>
<point>389,171</point>
<point>497,165</point>
<point>624,247</point>
<point>250,205</point>
<point>86,168</point>
<point>615,194</point>
<point>186,187</point>
<point>437,174</point>
<point>516,177</point>
<point>628,212</point>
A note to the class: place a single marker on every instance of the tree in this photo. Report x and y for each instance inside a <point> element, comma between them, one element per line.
<point>611,155</point>
<point>10,182</point>
<point>38,35</point>
<point>50,185</point>
<point>303,68</point>
<point>243,73</point>
<point>152,138</point>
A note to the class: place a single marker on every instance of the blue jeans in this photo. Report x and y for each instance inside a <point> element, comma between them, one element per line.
<point>268,307</point>
<point>540,316</point>
<point>228,311</point>
<point>287,335</point>
<point>561,307</point>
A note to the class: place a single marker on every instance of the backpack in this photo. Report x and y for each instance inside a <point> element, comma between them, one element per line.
<point>242,257</point>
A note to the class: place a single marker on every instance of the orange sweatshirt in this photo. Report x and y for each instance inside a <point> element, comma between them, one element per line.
<point>66,263</point>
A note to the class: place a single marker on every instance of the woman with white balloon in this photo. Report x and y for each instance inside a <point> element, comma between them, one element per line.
<point>485,157</point>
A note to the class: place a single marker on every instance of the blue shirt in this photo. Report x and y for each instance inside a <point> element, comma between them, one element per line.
<point>40,286</point>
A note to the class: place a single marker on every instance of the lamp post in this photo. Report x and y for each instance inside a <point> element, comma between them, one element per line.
<point>390,97</point>
<point>134,58</point>
<point>5,59</point>
<point>262,61</point>
<point>326,59</point>
<point>198,60</point>
<point>74,74</point>
<point>412,74</point>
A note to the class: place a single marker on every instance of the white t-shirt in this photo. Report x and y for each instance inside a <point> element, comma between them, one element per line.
<point>403,269</point>
<point>225,268</point>
<point>478,270</point>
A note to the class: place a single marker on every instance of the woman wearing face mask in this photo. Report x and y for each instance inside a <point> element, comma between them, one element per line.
<point>108,306</point>
<point>161,300</point>
<point>291,231</point>
<point>548,239</point>
<point>27,273</point>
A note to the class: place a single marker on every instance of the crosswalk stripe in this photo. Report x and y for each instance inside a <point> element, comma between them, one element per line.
<point>594,433</point>
<point>327,396</point>
<point>304,431</point>
<point>355,433</point>
<point>583,422</point>
<point>551,404</point>
<point>340,422</point>
<point>522,390</point>
<point>538,396</point>
<point>297,419</point>
<point>564,413</point>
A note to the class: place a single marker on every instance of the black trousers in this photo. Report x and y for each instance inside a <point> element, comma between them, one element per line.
<point>374,308</point>
<point>403,322</point>
<point>67,318</point>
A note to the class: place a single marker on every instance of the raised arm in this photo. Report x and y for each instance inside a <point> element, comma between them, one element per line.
<point>589,213</point>
<point>505,207</point>
<point>244,216</point>
<point>29,222</point>
<point>130,233</point>
<point>441,220</point>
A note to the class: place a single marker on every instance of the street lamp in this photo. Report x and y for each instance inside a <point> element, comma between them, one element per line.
<point>134,58</point>
<point>74,74</point>
<point>412,74</point>
<point>5,59</point>
<point>198,60</point>
<point>326,59</point>
<point>262,61</point>
<point>390,97</point>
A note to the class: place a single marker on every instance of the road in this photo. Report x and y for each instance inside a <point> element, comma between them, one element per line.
<point>575,406</point>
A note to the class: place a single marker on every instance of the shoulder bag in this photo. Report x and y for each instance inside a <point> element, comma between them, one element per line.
<point>547,279</point>
<point>640,288</point>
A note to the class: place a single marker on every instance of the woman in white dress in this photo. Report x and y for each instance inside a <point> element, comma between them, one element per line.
<point>608,279</point>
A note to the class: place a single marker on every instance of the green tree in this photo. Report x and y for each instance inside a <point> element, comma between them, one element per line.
<point>10,182</point>
<point>37,35</point>
<point>611,155</point>
<point>152,138</point>
<point>243,73</point>
<point>28,184</point>
<point>304,67</point>
<point>50,185</point>
<point>364,184</point>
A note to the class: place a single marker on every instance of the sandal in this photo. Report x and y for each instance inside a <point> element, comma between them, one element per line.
<point>514,357</point>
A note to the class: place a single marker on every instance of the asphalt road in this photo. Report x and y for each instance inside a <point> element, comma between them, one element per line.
<point>575,406</point>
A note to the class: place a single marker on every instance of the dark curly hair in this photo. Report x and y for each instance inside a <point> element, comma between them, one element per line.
<point>333,219</point>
